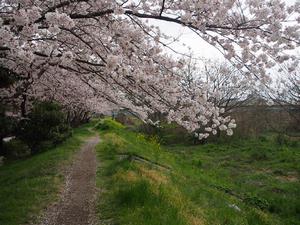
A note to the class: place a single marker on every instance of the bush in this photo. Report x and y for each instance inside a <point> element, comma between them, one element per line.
<point>7,125</point>
<point>64,131</point>
<point>45,125</point>
<point>150,130</point>
<point>102,126</point>
<point>109,124</point>
<point>16,148</point>
<point>167,134</point>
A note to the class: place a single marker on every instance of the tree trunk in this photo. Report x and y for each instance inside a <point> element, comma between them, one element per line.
<point>23,105</point>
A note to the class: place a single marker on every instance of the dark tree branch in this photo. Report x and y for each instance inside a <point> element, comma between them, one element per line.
<point>162,7</point>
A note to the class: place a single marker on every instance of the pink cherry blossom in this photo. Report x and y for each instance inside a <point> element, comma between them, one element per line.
<point>101,55</point>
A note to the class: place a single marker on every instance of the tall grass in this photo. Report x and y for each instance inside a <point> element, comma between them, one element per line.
<point>254,181</point>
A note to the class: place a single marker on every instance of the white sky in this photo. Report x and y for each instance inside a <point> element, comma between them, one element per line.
<point>187,38</point>
<point>198,47</point>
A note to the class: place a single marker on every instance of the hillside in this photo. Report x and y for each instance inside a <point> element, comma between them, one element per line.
<point>240,182</point>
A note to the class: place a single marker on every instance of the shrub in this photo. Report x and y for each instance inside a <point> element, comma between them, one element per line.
<point>109,124</point>
<point>102,126</point>
<point>46,123</point>
<point>7,125</point>
<point>16,148</point>
<point>151,130</point>
<point>168,134</point>
<point>64,131</point>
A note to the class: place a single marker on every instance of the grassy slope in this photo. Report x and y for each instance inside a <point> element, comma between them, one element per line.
<point>29,185</point>
<point>252,182</point>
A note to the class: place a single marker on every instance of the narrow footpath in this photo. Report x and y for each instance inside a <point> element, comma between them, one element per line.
<point>77,203</point>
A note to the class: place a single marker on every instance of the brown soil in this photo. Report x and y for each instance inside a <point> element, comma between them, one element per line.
<point>290,177</point>
<point>76,205</point>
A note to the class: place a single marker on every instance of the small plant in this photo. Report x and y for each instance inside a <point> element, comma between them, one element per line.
<point>197,163</point>
<point>281,139</point>
<point>262,138</point>
<point>257,202</point>
<point>141,138</point>
<point>259,156</point>
<point>285,155</point>
<point>154,141</point>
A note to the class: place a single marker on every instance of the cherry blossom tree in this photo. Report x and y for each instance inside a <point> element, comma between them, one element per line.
<point>286,93</point>
<point>89,52</point>
<point>227,87</point>
<point>224,85</point>
<point>288,89</point>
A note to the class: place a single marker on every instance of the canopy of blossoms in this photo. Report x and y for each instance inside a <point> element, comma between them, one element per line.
<point>99,54</point>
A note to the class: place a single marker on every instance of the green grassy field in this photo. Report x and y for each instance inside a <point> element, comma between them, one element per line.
<point>29,185</point>
<point>236,182</point>
<point>254,181</point>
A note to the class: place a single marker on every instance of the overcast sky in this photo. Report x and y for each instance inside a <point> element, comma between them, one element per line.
<point>187,39</point>
<point>199,47</point>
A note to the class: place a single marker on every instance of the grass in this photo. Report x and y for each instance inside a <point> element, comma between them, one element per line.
<point>27,186</point>
<point>254,181</point>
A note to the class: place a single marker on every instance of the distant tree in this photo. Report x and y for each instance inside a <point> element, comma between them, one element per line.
<point>286,93</point>
<point>222,85</point>
<point>227,87</point>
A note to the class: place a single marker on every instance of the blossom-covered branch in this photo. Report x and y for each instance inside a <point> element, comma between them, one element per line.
<point>95,53</point>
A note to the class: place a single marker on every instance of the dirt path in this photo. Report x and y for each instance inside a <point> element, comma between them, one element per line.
<point>76,206</point>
